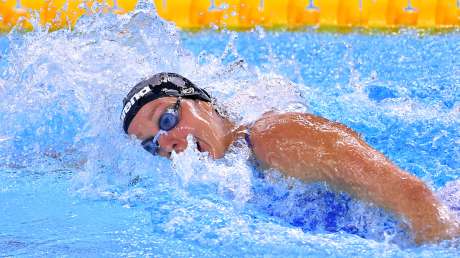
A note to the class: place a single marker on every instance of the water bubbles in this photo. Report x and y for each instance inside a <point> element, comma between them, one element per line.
<point>296,107</point>
<point>229,177</point>
<point>450,193</point>
<point>145,6</point>
<point>260,32</point>
<point>265,92</point>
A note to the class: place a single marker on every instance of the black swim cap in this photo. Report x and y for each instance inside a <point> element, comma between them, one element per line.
<point>158,86</point>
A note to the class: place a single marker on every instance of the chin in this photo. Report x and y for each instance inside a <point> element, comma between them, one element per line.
<point>213,154</point>
<point>217,155</point>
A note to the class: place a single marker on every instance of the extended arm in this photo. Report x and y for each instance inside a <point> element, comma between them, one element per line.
<point>315,149</point>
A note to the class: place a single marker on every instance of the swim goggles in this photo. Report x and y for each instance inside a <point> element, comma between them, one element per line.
<point>168,120</point>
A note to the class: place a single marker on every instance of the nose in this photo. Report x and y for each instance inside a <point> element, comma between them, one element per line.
<point>169,142</point>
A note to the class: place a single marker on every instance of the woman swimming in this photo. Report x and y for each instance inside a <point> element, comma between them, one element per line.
<point>164,109</point>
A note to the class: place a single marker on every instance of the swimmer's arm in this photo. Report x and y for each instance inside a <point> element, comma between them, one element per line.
<point>315,149</point>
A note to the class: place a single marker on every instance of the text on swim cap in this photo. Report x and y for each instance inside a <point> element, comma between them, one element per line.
<point>133,100</point>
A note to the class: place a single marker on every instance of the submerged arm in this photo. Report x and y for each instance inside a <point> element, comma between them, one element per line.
<point>315,149</point>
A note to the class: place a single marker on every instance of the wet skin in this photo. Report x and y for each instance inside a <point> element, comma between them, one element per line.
<point>312,149</point>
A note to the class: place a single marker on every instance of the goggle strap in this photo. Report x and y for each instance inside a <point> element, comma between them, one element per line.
<point>177,105</point>
<point>157,136</point>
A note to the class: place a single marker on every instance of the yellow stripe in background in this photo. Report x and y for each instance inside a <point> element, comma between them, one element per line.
<point>246,14</point>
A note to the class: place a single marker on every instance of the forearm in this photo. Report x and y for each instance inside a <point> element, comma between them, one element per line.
<point>368,174</point>
<point>314,149</point>
<point>383,183</point>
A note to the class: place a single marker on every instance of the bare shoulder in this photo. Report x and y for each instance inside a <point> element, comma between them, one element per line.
<point>278,138</point>
<point>293,123</point>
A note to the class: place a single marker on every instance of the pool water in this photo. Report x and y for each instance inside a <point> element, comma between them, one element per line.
<point>72,184</point>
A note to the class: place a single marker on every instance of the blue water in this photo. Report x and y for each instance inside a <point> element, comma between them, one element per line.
<point>72,184</point>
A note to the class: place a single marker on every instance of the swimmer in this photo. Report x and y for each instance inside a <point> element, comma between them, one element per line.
<point>164,109</point>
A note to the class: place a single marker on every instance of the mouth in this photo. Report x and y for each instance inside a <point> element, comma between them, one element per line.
<point>198,146</point>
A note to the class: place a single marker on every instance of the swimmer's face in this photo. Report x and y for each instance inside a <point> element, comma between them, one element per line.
<point>196,118</point>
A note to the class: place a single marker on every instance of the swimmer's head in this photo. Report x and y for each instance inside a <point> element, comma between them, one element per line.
<point>164,109</point>
<point>158,86</point>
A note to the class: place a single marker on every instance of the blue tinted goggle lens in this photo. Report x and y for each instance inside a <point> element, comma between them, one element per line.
<point>151,146</point>
<point>168,120</point>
